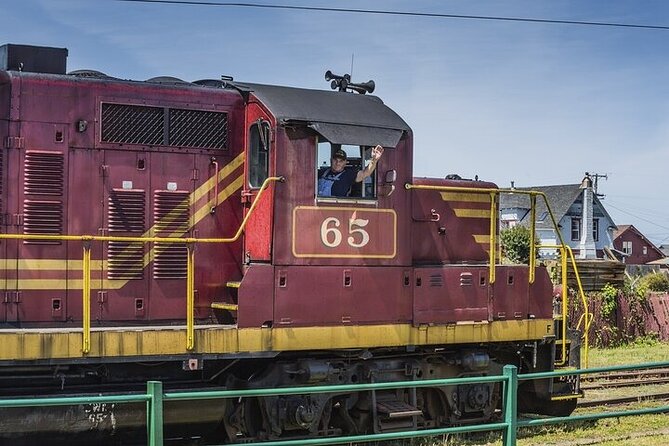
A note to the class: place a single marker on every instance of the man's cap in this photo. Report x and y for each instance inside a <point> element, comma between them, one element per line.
<point>339,153</point>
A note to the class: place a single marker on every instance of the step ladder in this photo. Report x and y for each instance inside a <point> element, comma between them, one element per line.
<point>229,309</point>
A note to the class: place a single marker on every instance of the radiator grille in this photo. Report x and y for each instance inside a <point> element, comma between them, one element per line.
<point>132,124</point>
<point>195,128</point>
<point>43,175</point>
<point>126,217</point>
<point>436,280</point>
<point>138,124</point>
<point>42,217</point>
<point>171,217</point>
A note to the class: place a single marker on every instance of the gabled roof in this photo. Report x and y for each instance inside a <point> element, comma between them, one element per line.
<point>622,229</point>
<point>560,198</point>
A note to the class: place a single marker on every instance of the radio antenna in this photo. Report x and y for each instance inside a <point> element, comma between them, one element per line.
<point>352,65</point>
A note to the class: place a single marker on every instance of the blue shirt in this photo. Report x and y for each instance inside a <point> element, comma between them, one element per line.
<point>332,184</point>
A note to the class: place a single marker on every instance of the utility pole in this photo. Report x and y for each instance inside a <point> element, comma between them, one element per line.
<point>596,177</point>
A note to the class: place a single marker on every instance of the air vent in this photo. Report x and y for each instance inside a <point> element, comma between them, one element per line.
<point>436,280</point>
<point>466,279</point>
<point>195,128</point>
<point>138,124</point>
<point>126,217</point>
<point>126,211</point>
<point>172,218</point>
<point>132,124</point>
<point>42,217</point>
<point>43,183</point>
<point>43,173</point>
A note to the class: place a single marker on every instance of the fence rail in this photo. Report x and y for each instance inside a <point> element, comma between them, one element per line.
<point>155,398</point>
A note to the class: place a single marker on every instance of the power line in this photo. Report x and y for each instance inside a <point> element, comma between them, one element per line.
<point>608,204</point>
<point>402,13</point>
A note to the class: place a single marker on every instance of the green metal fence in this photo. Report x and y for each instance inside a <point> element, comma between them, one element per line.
<point>155,397</point>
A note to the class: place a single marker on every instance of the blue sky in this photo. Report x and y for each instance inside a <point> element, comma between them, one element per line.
<point>538,104</point>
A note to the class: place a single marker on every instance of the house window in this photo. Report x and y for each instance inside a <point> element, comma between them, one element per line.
<point>575,228</point>
<point>645,250</point>
<point>595,229</point>
<point>627,247</point>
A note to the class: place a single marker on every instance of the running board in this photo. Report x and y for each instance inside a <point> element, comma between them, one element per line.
<point>397,409</point>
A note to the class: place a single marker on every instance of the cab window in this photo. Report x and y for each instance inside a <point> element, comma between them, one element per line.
<point>259,136</point>
<point>357,158</point>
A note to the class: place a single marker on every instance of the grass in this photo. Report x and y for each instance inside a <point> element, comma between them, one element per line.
<point>637,353</point>
<point>642,430</point>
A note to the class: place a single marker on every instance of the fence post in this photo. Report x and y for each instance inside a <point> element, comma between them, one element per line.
<point>510,404</point>
<point>154,413</point>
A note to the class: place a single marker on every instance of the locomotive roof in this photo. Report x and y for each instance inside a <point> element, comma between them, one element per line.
<point>342,118</point>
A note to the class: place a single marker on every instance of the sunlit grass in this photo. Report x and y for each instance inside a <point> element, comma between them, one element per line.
<point>641,430</point>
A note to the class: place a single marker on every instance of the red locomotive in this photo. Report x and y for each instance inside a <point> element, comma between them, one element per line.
<point>173,230</point>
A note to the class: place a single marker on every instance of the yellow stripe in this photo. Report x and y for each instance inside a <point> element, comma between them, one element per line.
<point>52,264</point>
<point>222,196</point>
<point>472,213</point>
<point>223,173</point>
<point>462,196</point>
<point>31,344</point>
<point>61,284</point>
<point>482,238</point>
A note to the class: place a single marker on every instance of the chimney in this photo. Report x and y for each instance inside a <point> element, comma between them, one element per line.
<point>587,248</point>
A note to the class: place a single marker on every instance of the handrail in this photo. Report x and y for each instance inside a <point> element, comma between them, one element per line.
<point>564,248</point>
<point>190,264</point>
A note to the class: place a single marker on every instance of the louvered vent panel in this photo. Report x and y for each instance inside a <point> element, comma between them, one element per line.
<point>42,217</point>
<point>196,128</point>
<point>43,173</point>
<point>126,217</point>
<point>436,280</point>
<point>132,124</point>
<point>171,217</point>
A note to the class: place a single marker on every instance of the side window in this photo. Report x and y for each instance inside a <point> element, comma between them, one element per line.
<point>357,159</point>
<point>259,136</point>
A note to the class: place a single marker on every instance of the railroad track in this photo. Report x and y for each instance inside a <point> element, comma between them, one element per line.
<point>636,379</point>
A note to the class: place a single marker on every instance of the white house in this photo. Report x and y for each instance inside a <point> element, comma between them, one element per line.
<point>582,219</point>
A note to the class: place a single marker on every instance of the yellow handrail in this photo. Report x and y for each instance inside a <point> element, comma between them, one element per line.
<point>190,298</point>
<point>190,265</point>
<point>564,249</point>
<point>493,234</point>
<point>533,224</point>
<point>86,300</point>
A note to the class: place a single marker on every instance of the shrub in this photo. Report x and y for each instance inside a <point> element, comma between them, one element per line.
<point>655,282</point>
<point>516,244</point>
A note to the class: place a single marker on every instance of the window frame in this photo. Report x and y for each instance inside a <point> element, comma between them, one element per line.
<point>361,156</point>
<point>627,247</point>
<point>578,229</point>
<point>259,153</point>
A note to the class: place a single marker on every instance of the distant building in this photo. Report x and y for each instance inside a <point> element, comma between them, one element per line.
<point>582,219</point>
<point>634,248</point>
